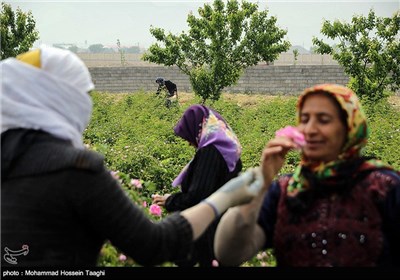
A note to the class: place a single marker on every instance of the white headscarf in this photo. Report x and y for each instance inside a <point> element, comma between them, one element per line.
<point>53,98</point>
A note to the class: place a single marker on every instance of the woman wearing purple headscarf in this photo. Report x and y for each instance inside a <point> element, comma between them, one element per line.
<point>217,160</point>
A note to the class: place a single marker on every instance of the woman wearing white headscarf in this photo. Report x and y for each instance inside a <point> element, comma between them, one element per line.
<point>58,201</point>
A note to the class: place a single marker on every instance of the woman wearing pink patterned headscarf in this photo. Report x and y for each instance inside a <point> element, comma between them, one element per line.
<point>216,161</point>
<point>338,208</point>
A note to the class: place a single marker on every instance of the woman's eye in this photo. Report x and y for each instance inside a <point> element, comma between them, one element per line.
<point>324,120</point>
<point>303,120</point>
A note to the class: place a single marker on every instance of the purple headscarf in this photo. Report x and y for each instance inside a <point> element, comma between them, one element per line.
<point>202,126</point>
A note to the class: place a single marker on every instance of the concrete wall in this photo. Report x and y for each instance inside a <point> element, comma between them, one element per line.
<point>114,60</point>
<point>260,79</point>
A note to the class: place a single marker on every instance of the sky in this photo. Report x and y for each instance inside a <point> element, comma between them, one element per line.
<point>84,23</point>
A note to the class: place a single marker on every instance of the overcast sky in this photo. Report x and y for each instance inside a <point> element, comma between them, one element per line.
<point>84,23</point>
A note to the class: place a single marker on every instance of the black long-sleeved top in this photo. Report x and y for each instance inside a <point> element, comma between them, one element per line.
<point>169,86</point>
<point>206,173</point>
<point>63,204</point>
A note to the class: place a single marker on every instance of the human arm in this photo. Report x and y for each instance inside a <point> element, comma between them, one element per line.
<point>107,211</point>
<point>159,89</point>
<point>238,237</point>
<point>110,214</point>
<point>237,191</point>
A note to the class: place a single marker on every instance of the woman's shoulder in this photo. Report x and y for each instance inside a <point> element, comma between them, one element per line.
<point>388,176</point>
<point>391,173</point>
<point>381,182</point>
<point>209,147</point>
<point>207,151</point>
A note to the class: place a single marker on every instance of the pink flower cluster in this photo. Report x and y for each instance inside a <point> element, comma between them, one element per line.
<point>137,183</point>
<point>155,210</point>
<point>293,133</point>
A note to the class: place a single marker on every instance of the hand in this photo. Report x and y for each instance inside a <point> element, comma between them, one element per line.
<point>237,191</point>
<point>160,199</point>
<point>273,156</point>
<point>248,181</point>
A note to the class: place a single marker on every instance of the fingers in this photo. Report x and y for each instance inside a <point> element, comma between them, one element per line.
<point>247,177</point>
<point>256,186</point>
<point>284,142</point>
<point>157,198</point>
<point>273,157</point>
<point>270,151</point>
<point>277,147</point>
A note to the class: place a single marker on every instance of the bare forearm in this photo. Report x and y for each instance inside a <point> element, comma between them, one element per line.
<point>199,217</point>
<point>237,191</point>
<point>238,237</point>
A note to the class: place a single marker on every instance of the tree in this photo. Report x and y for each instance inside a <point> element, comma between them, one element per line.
<point>96,48</point>
<point>369,52</point>
<point>222,42</point>
<point>73,49</point>
<point>295,55</point>
<point>18,32</point>
<point>133,49</point>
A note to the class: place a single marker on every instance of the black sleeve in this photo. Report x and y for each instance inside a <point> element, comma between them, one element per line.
<point>105,207</point>
<point>206,173</point>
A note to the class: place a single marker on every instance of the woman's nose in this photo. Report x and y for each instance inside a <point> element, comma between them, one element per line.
<point>310,127</point>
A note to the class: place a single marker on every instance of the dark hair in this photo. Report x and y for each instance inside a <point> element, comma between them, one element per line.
<point>160,80</point>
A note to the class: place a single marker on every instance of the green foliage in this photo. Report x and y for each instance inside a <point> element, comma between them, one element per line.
<point>295,55</point>
<point>18,31</point>
<point>73,49</point>
<point>135,133</point>
<point>264,259</point>
<point>369,52</point>
<point>384,123</point>
<point>112,257</point>
<point>223,41</point>
<point>96,48</point>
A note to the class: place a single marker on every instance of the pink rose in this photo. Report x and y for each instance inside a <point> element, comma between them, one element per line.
<point>155,210</point>
<point>293,133</point>
<point>137,183</point>
<point>122,257</point>
<point>215,263</point>
<point>115,174</point>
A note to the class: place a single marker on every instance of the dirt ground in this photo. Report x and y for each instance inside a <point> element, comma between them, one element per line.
<point>248,100</point>
<point>252,99</point>
<point>395,101</point>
